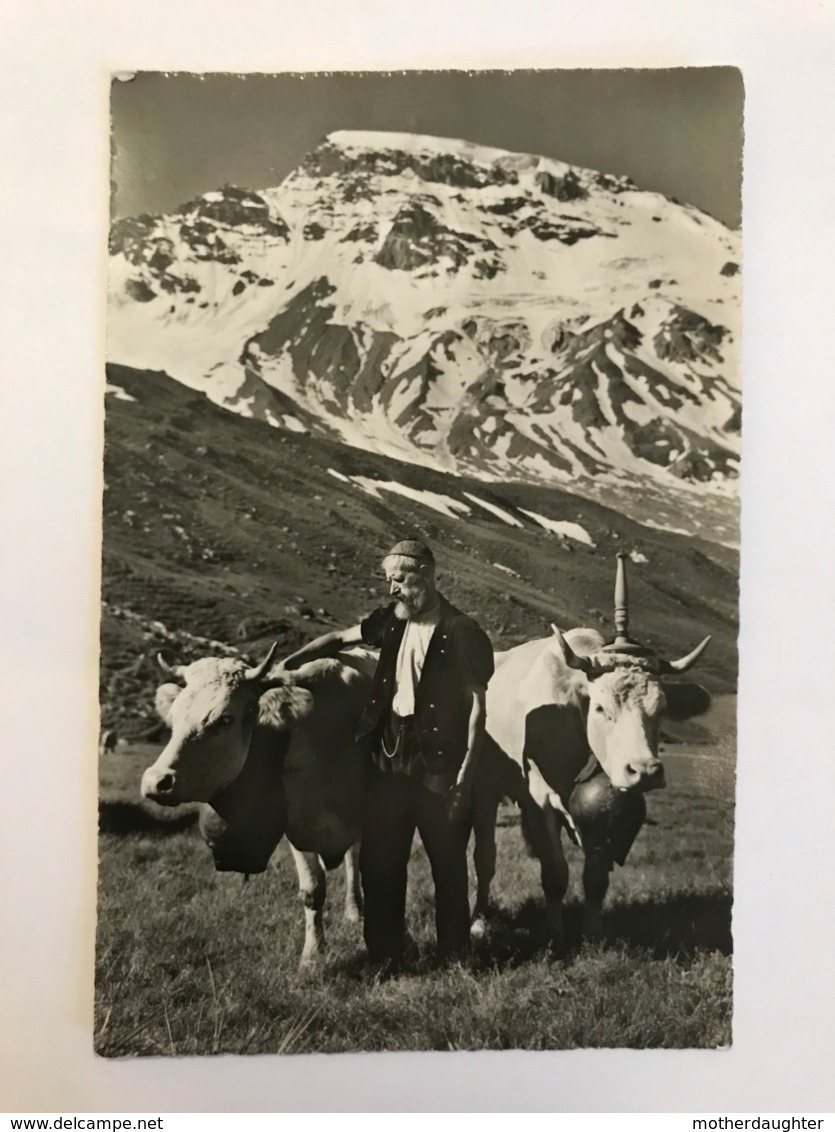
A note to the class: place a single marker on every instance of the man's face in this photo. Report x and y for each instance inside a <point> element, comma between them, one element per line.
<point>412,591</point>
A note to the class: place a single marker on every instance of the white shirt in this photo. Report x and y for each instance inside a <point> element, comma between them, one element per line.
<point>410,659</point>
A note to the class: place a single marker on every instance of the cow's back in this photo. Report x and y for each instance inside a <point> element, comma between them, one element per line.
<point>534,711</point>
<point>507,693</point>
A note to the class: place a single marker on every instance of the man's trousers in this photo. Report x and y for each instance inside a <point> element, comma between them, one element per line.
<point>396,805</point>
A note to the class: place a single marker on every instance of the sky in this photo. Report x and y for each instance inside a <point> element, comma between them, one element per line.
<point>676,131</point>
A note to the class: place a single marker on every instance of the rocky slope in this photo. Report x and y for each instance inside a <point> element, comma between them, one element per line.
<point>499,315</point>
<point>221,534</point>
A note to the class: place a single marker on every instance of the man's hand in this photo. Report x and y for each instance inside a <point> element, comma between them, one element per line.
<point>460,796</point>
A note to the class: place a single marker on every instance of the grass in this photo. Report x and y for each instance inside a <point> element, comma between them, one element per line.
<point>194,962</point>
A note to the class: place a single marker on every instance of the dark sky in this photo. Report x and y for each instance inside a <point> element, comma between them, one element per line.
<point>676,131</point>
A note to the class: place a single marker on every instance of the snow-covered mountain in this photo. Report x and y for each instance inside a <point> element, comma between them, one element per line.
<point>501,314</point>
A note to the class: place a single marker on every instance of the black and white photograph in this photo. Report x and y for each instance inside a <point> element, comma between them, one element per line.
<point>420,562</point>
<point>422,447</point>
<point>372,369</point>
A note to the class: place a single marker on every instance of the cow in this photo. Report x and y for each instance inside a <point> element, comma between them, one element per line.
<point>270,753</point>
<point>107,742</point>
<point>573,731</point>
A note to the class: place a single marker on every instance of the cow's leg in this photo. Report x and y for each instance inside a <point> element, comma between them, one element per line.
<point>312,888</point>
<point>485,811</point>
<point>353,891</point>
<point>554,877</point>
<point>497,776</point>
<point>542,825</point>
<point>596,869</point>
<point>542,828</point>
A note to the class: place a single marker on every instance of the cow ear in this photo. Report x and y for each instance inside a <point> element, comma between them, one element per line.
<point>284,707</point>
<point>686,700</point>
<point>165,697</point>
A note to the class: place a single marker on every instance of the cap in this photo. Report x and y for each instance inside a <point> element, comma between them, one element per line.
<point>413,548</point>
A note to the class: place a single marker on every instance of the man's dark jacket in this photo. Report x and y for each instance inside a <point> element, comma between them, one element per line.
<point>459,656</point>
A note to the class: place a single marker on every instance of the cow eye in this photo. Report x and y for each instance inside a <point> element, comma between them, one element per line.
<point>223,720</point>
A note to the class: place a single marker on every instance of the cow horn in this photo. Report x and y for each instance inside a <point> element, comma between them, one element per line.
<point>260,669</point>
<point>670,666</point>
<point>172,671</point>
<point>571,658</point>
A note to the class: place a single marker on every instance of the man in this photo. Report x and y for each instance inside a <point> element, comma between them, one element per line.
<point>425,722</point>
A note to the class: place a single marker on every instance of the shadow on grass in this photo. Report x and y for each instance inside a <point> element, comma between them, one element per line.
<point>675,928</point>
<point>130,817</point>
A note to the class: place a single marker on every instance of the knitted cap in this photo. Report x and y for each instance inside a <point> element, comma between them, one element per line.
<point>413,548</point>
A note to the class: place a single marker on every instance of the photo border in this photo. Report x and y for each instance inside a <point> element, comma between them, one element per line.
<point>56,63</point>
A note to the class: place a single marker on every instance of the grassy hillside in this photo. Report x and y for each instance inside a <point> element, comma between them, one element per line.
<point>221,532</point>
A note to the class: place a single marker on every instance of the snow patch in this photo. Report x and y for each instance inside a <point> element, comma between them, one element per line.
<point>244,406</point>
<point>667,527</point>
<point>506,570</point>
<point>118,392</point>
<point>445,504</point>
<point>505,516</point>
<point>569,530</point>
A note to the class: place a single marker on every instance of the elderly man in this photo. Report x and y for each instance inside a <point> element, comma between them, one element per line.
<point>425,722</point>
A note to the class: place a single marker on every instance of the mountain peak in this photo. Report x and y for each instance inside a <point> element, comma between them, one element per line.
<point>511,162</point>
<point>413,143</point>
<point>501,314</point>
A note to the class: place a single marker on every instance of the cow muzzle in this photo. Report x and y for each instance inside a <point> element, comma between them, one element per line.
<point>160,786</point>
<point>644,775</point>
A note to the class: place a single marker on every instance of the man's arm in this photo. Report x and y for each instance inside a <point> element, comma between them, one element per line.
<point>329,644</point>
<point>475,735</point>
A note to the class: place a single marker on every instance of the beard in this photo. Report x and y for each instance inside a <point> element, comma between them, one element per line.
<point>402,611</point>
<point>409,605</point>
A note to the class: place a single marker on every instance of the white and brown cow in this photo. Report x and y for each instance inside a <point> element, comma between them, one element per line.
<point>573,729</point>
<point>270,753</point>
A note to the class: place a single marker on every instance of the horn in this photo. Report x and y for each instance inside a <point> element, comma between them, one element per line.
<point>258,671</point>
<point>172,671</point>
<point>572,659</point>
<point>671,666</point>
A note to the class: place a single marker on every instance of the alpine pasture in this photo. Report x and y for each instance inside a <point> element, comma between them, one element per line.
<point>222,536</point>
<point>190,961</point>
